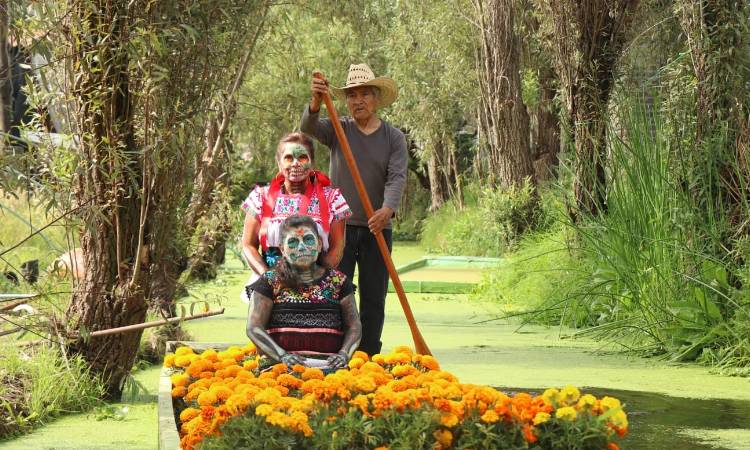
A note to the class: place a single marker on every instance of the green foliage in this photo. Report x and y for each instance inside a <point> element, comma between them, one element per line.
<point>40,384</point>
<point>491,224</point>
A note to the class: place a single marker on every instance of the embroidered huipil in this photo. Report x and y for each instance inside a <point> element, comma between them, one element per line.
<point>289,204</point>
<point>306,320</point>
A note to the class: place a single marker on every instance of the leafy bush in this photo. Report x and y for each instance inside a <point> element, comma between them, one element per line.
<point>491,224</point>
<point>41,384</point>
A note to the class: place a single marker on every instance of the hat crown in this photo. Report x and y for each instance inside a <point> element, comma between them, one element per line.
<point>358,74</point>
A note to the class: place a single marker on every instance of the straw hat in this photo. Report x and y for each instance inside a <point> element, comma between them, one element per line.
<point>362,75</point>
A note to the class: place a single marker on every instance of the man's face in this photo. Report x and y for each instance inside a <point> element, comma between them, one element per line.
<point>295,162</point>
<point>361,102</point>
<point>301,247</point>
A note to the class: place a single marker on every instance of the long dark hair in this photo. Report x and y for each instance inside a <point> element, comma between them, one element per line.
<point>285,272</point>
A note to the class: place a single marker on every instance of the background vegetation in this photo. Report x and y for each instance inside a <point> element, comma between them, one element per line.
<point>599,146</point>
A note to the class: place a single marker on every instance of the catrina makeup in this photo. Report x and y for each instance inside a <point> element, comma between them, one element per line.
<point>301,247</point>
<point>295,162</point>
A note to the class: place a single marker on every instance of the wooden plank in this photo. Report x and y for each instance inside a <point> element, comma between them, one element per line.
<point>169,437</point>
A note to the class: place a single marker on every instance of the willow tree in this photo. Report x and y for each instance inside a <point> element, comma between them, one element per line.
<point>503,119</point>
<point>144,74</point>
<point>586,39</point>
<point>718,40</point>
<point>112,187</point>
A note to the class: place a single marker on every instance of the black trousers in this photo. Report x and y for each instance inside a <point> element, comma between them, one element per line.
<point>362,250</point>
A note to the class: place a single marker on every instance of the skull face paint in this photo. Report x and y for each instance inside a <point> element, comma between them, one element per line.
<point>295,162</point>
<point>301,247</point>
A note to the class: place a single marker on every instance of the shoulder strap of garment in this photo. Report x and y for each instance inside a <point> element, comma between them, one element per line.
<point>269,203</point>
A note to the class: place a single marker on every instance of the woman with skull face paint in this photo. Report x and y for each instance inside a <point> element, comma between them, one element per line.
<point>301,309</point>
<point>297,189</point>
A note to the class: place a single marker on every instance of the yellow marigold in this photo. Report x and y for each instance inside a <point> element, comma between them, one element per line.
<point>403,349</point>
<point>569,395</point>
<point>298,368</point>
<point>361,355</point>
<point>221,392</point>
<point>249,348</point>
<point>619,419</point>
<point>371,367</point>
<point>194,393</point>
<point>289,381</point>
<point>365,384</point>
<point>189,413</point>
<point>541,417</point>
<point>267,395</point>
<point>207,398</point>
<point>551,396</point>
<point>356,363</point>
<point>179,391</point>
<point>382,447</point>
<point>443,437</point>
<point>210,355</point>
<point>402,370</point>
<point>490,416</point>
<point>182,360</point>
<point>180,379</point>
<point>250,364</point>
<point>183,351</point>
<point>586,401</point>
<point>609,403</point>
<point>169,360</point>
<point>566,413</point>
<point>429,363</point>
<point>448,420</point>
<point>312,373</point>
<point>263,410</point>
<point>378,359</point>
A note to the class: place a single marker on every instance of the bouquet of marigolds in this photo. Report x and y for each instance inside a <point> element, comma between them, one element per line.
<point>399,400</point>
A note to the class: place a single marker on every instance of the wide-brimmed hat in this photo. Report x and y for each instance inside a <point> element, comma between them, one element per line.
<point>362,75</point>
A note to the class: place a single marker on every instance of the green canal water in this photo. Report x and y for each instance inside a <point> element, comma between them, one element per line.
<point>670,406</point>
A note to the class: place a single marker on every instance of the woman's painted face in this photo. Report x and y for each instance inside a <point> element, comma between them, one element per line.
<point>295,162</point>
<point>301,247</point>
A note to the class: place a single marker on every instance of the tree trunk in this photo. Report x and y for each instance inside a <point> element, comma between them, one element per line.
<point>717,38</point>
<point>504,121</point>
<point>547,142</point>
<point>6,98</point>
<point>587,40</point>
<point>110,190</point>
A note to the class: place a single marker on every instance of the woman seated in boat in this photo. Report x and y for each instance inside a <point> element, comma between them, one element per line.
<point>302,312</point>
<point>297,189</point>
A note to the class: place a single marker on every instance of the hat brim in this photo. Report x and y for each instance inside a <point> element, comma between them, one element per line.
<point>388,90</point>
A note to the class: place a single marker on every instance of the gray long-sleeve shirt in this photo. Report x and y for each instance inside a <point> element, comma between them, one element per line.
<point>381,159</point>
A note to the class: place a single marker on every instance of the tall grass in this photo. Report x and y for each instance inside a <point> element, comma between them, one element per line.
<point>38,385</point>
<point>658,283</point>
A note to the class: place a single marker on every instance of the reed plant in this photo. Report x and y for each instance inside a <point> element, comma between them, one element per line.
<point>662,279</point>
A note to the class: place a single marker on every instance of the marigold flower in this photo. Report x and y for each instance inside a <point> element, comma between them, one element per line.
<point>207,398</point>
<point>298,368</point>
<point>541,417</point>
<point>490,416</point>
<point>569,395</point>
<point>180,379</point>
<point>608,403</point>
<point>378,359</point>
<point>551,396</point>
<point>356,363</point>
<point>179,391</point>
<point>169,360</point>
<point>443,437</point>
<point>429,362</point>
<point>612,446</point>
<point>567,413</point>
<point>188,414</point>
<point>449,420</point>
<point>361,355</point>
<point>263,410</point>
<point>312,373</point>
<point>183,351</point>
<point>586,401</point>
<point>403,349</point>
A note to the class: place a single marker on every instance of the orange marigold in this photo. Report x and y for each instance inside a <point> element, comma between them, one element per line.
<point>444,438</point>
